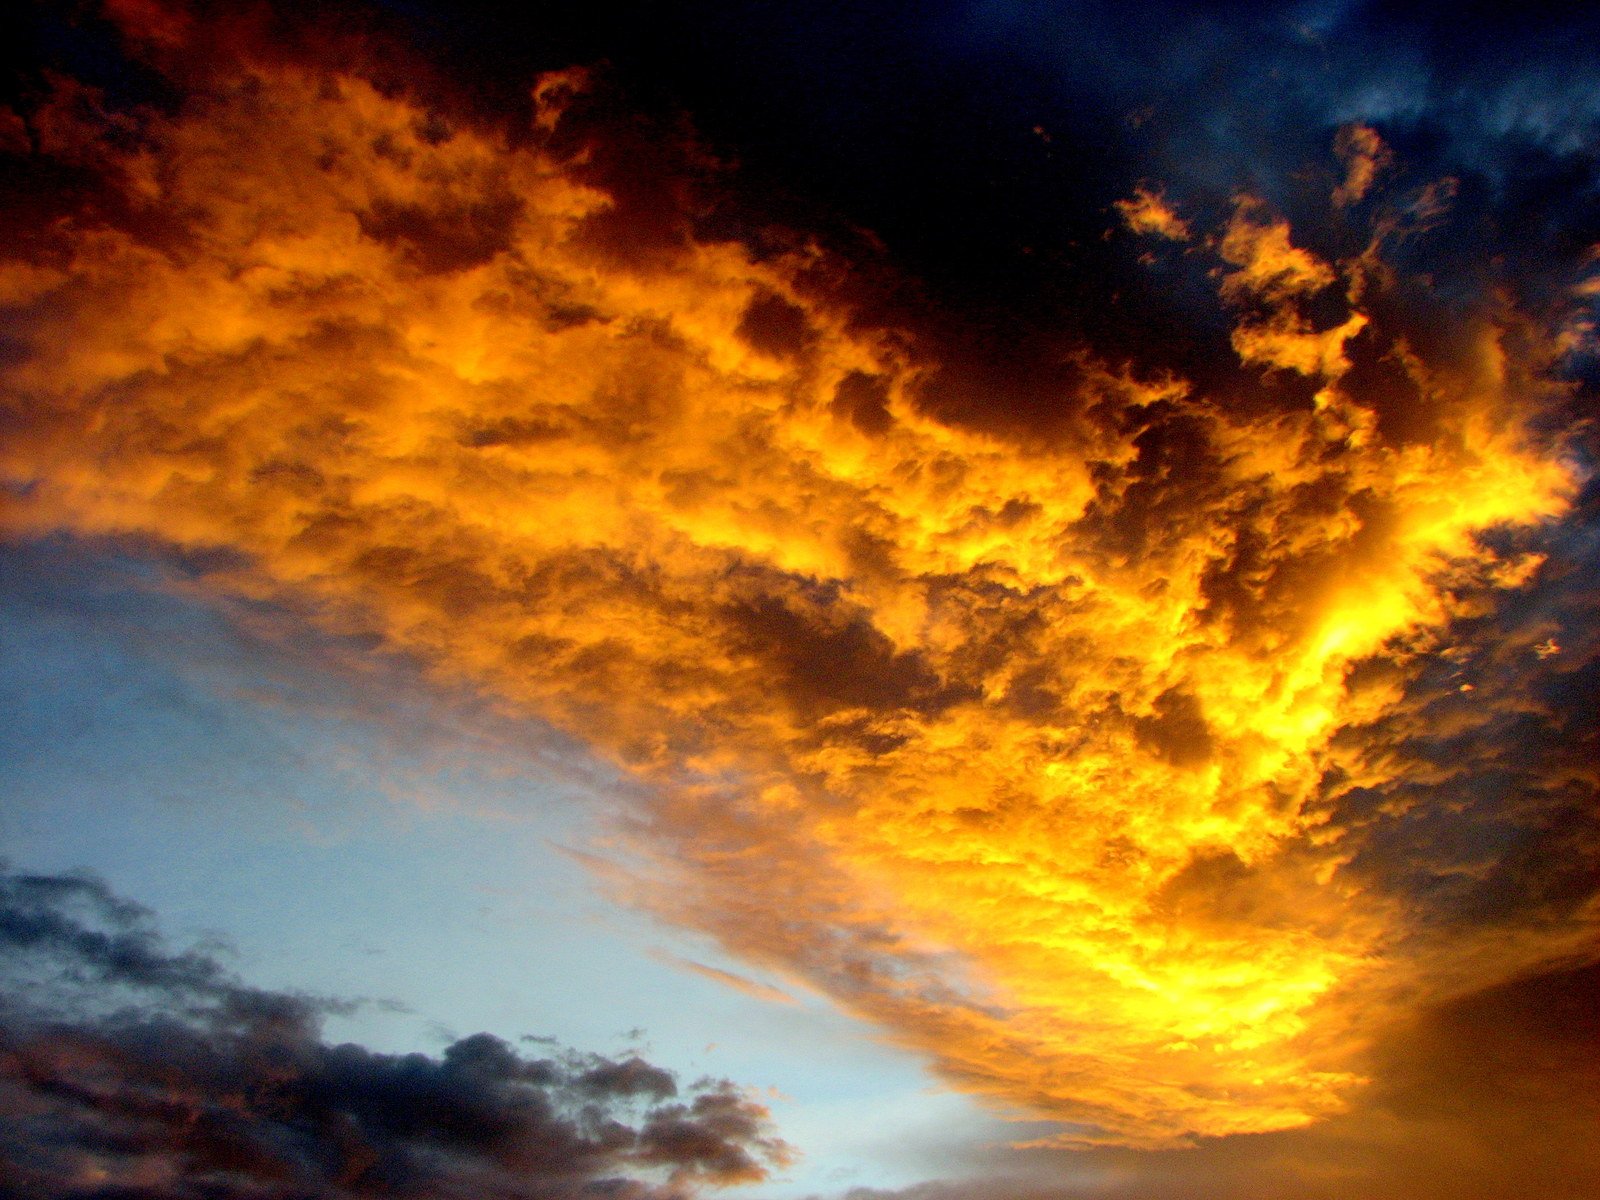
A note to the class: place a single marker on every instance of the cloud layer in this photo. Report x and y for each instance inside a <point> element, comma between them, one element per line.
<point>128,1070</point>
<point>1124,741</point>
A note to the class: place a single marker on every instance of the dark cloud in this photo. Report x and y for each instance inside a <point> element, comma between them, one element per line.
<point>447,239</point>
<point>824,655</point>
<point>128,1070</point>
<point>1474,798</point>
<point>774,326</point>
<point>986,145</point>
<point>985,142</point>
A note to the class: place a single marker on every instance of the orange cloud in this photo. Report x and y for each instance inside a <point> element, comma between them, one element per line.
<point>748,987</point>
<point>1147,212</point>
<point>1364,155</point>
<point>1272,279</point>
<point>1012,748</point>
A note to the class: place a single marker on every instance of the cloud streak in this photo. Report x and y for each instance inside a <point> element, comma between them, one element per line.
<point>748,987</point>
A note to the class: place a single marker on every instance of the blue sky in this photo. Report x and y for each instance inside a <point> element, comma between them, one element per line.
<point>365,838</point>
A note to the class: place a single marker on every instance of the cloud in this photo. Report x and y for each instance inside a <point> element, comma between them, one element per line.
<point>130,1070</point>
<point>1060,714</point>
<point>1148,213</point>
<point>1492,1087</point>
<point>1280,279</point>
<point>1364,155</point>
<point>749,987</point>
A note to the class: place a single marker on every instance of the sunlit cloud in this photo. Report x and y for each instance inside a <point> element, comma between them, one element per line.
<point>1030,748</point>
<point>731,979</point>
<point>1147,212</point>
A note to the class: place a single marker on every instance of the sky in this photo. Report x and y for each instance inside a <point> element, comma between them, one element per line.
<point>872,601</point>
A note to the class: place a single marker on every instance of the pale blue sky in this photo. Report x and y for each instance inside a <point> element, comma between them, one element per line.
<point>360,835</point>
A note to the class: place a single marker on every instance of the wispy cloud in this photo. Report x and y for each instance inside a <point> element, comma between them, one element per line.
<point>748,987</point>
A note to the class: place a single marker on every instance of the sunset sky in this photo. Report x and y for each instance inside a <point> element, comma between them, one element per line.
<point>860,601</point>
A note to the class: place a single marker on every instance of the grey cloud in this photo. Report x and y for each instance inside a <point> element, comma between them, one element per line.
<point>128,1070</point>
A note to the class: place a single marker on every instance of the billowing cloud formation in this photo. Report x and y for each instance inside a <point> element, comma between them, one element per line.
<point>1074,727</point>
<point>1489,1095</point>
<point>128,1070</point>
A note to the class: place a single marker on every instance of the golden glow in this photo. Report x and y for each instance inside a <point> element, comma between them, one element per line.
<point>1148,212</point>
<point>929,729</point>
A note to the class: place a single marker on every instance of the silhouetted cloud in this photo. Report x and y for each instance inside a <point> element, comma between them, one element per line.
<point>128,1070</point>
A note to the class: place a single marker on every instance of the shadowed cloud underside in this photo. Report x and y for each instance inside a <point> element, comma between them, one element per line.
<point>129,1070</point>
